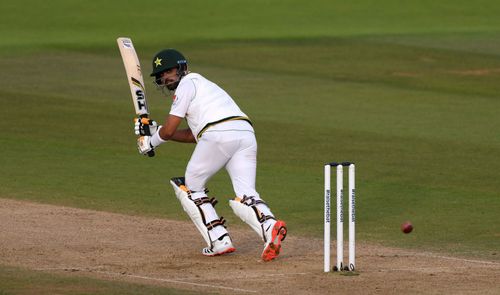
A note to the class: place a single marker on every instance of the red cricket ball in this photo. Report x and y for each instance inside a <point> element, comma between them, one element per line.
<point>406,227</point>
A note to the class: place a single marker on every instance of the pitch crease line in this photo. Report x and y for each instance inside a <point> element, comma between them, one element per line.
<point>143,277</point>
<point>461,259</point>
<point>176,281</point>
<point>423,269</point>
<point>258,276</point>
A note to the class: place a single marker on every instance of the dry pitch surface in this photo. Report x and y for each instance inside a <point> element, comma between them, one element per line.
<point>109,246</point>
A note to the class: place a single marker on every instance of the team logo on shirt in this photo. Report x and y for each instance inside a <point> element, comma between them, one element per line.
<point>174,100</point>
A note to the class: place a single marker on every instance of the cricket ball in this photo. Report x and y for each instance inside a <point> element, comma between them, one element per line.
<point>406,227</point>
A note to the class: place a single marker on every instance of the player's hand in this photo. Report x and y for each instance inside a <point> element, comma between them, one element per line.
<point>145,126</point>
<point>144,145</point>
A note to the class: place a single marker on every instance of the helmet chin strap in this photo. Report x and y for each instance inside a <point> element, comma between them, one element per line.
<point>181,72</point>
<point>173,85</point>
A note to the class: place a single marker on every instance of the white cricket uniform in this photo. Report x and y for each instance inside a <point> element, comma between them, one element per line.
<point>230,143</point>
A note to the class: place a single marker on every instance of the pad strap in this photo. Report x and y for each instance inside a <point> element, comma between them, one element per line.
<point>198,208</point>
<point>218,222</point>
<point>252,203</point>
<point>247,209</point>
<point>181,183</point>
<point>203,200</point>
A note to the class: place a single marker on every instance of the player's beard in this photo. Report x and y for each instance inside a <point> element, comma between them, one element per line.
<point>167,86</point>
<point>173,84</point>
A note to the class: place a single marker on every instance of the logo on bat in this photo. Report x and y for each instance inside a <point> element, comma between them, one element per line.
<point>141,102</point>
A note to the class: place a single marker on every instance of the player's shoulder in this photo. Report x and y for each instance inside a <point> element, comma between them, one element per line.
<point>188,84</point>
<point>191,79</point>
<point>192,76</point>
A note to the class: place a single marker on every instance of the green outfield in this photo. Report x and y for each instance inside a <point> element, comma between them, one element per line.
<point>409,92</point>
<point>18,281</point>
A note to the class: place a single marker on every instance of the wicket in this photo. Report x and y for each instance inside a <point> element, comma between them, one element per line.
<point>340,217</point>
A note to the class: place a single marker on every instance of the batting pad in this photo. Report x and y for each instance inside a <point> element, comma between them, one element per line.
<point>246,209</point>
<point>201,211</point>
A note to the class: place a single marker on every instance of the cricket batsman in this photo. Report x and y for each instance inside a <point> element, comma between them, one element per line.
<point>224,138</point>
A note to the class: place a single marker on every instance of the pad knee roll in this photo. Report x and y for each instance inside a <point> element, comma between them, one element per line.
<point>247,209</point>
<point>201,211</point>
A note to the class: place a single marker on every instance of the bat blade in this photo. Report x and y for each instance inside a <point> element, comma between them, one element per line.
<point>134,77</point>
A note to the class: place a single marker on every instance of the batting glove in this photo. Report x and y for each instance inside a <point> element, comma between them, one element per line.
<point>145,126</point>
<point>144,145</point>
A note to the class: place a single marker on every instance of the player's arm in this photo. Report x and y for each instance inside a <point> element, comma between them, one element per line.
<point>169,130</point>
<point>153,135</point>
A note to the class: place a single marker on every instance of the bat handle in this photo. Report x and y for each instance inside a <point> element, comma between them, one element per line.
<point>146,116</point>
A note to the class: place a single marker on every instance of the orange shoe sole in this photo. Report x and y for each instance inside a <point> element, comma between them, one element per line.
<point>273,249</point>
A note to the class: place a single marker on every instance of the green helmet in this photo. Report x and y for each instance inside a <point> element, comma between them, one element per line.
<point>167,59</point>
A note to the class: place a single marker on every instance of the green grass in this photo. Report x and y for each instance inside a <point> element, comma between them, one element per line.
<point>410,92</point>
<point>77,25</point>
<point>23,282</point>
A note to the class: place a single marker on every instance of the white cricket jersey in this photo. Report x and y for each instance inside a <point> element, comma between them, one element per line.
<point>201,102</point>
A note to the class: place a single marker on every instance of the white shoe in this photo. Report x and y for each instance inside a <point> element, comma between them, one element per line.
<point>219,247</point>
<point>274,235</point>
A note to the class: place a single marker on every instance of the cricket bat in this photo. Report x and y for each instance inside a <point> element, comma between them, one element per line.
<point>135,80</point>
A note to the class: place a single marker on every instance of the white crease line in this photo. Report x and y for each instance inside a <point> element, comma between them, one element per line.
<point>461,259</point>
<point>67,268</point>
<point>176,281</point>
<point>286,274</point>
<point>425,269</point>
<point>146,278</point>
<point>271,275</point>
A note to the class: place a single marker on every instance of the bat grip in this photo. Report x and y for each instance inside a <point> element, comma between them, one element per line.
<point>145,120</point>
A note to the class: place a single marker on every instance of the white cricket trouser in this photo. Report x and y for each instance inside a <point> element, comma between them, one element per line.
<point>229,144</point>
<point>232,145</point>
